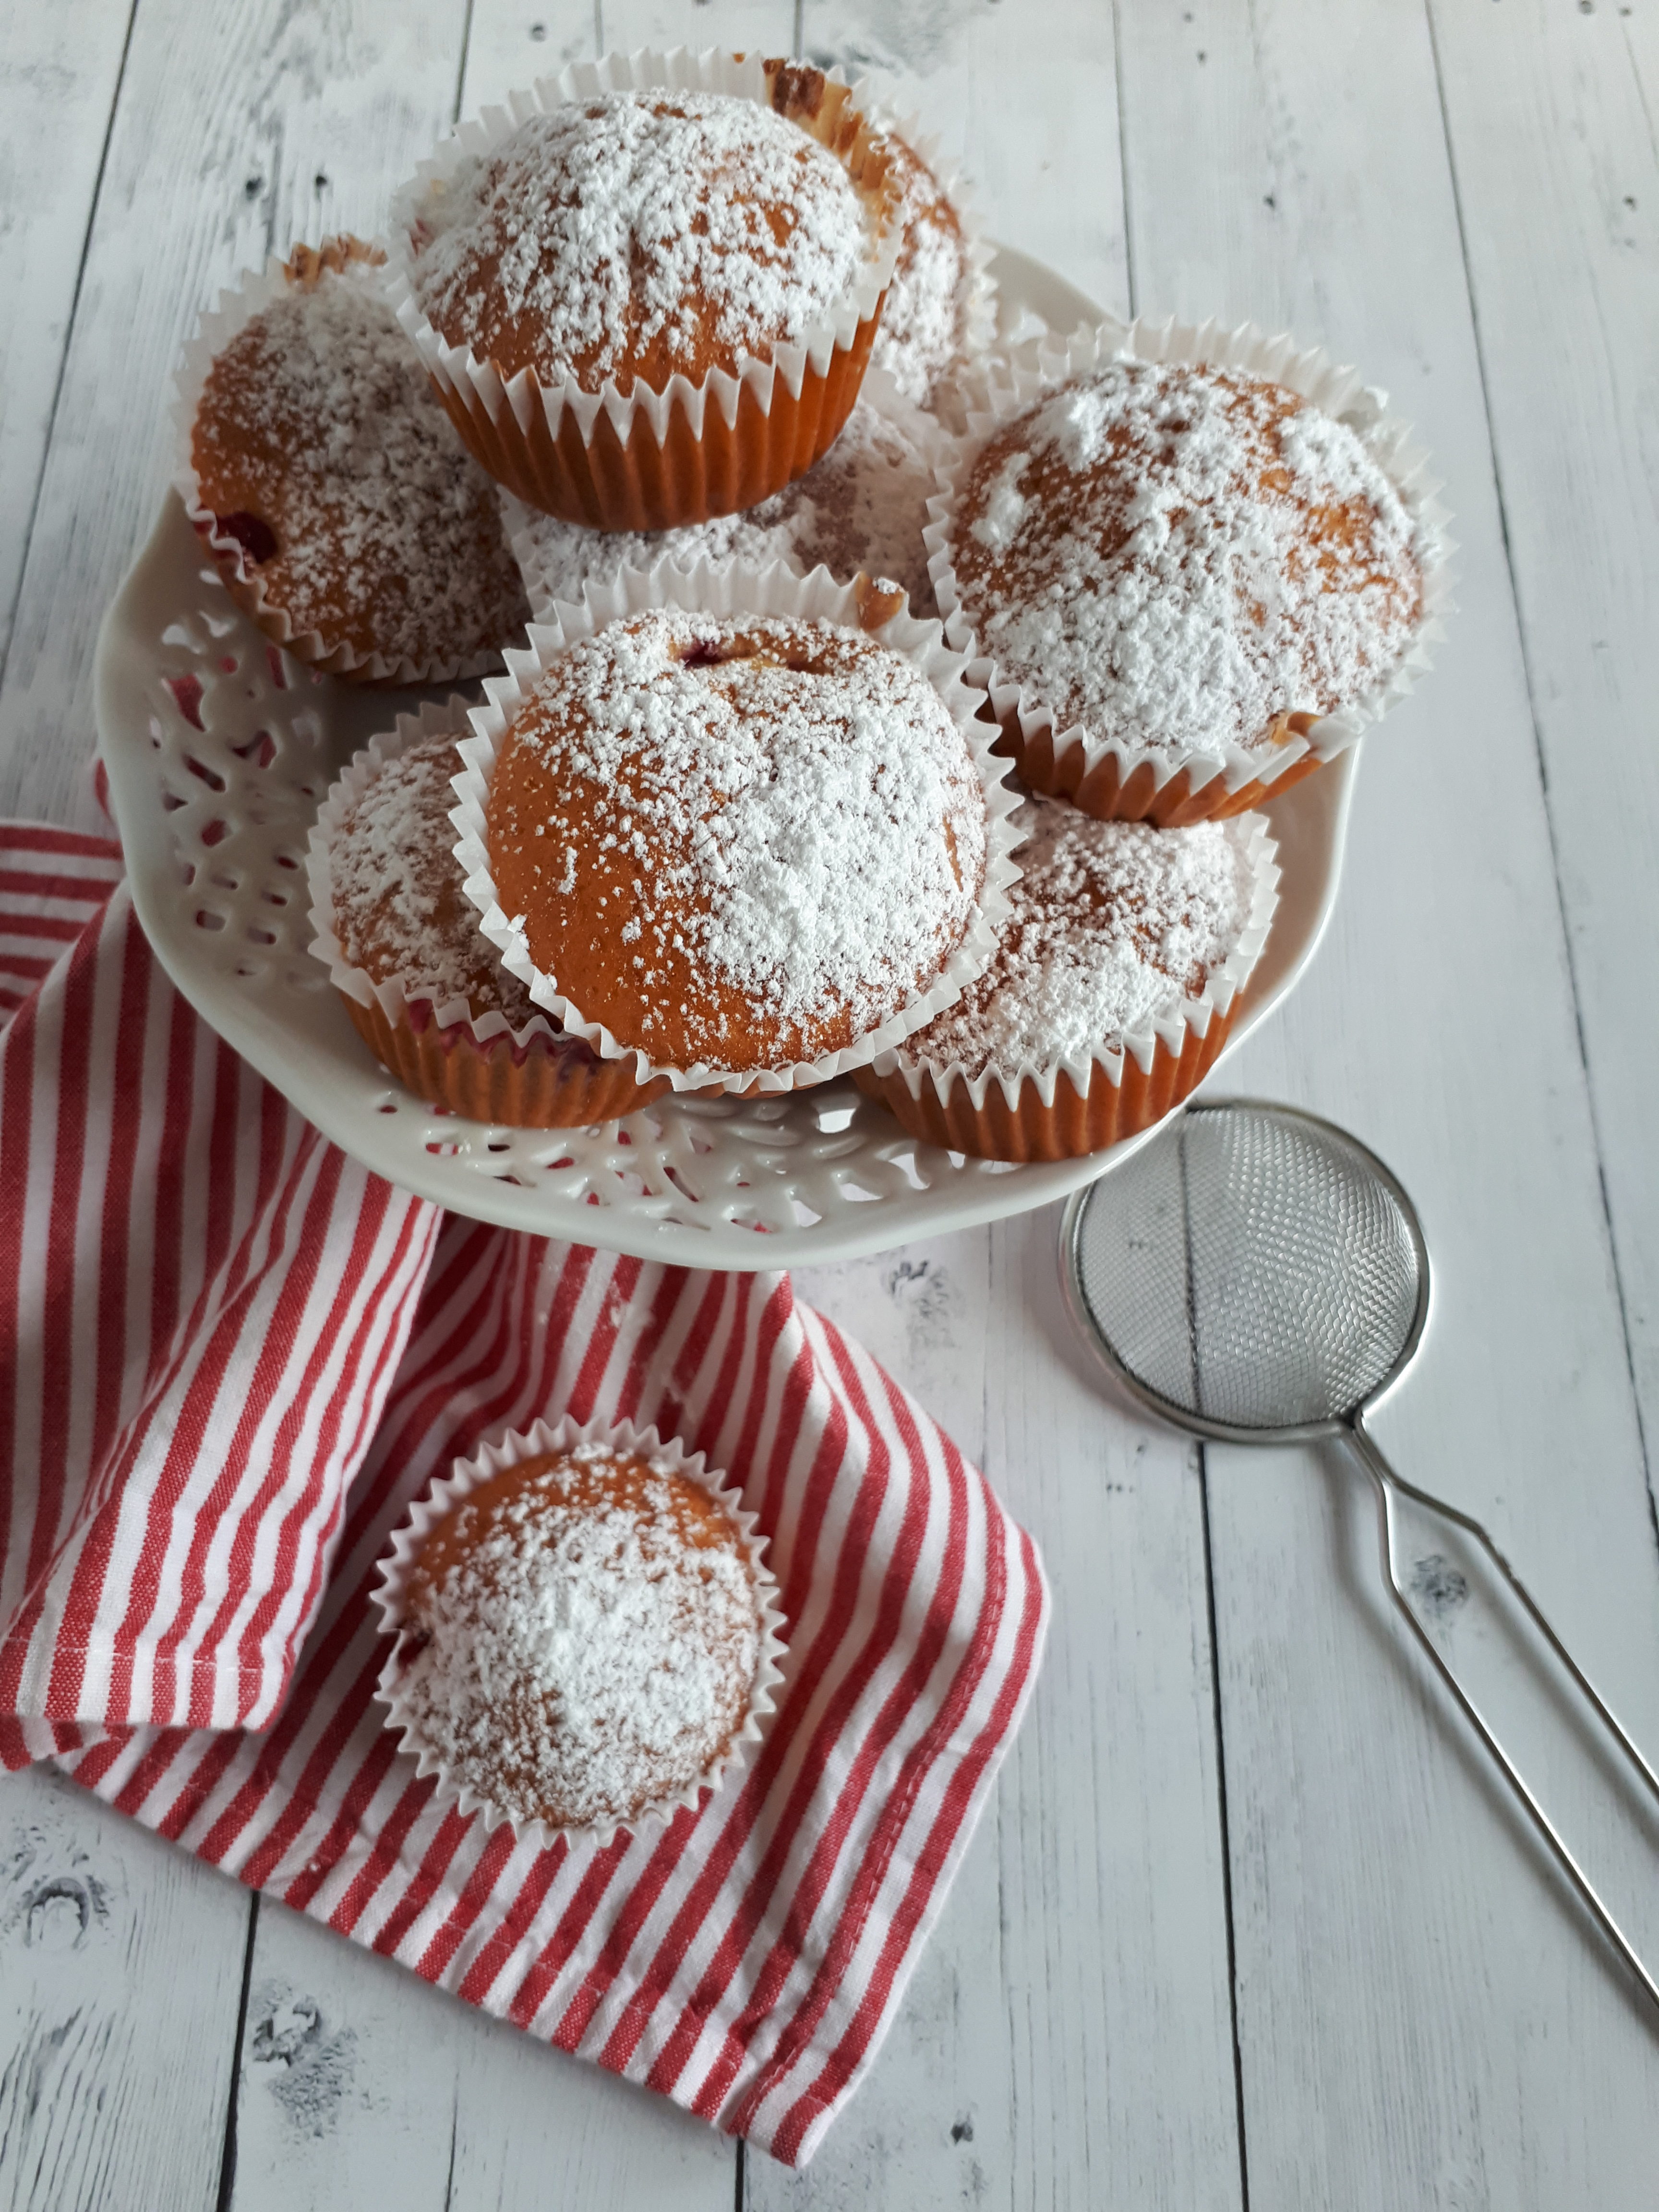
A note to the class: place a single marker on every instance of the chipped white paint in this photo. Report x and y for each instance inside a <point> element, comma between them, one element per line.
<point>115,2066</point>
<point>1420,2019</point>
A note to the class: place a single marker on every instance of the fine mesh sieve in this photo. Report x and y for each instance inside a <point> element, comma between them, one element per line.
<point>1255,1275</point>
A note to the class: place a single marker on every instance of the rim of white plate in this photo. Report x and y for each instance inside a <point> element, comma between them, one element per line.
<point>220,747</point>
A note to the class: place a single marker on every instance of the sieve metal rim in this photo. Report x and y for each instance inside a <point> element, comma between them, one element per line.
<point>1201,1424</point>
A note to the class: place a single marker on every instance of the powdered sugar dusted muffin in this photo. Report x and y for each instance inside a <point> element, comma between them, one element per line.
<point>422,986</point>
<point>863,507</point>
<point>1110,992</point>
<point>583,1633</point>
<point>629,243</point>
<point>346,516</point>
<point>929,320</point>
<point>1179,568</point>
<point>641,235</point>
<point>399,907</point>
<point>739,844</point>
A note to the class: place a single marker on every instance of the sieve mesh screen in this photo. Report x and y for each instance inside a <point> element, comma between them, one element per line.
<point>1251,1266</point>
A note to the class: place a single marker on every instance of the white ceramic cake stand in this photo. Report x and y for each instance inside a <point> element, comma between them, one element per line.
<point>219,748</point>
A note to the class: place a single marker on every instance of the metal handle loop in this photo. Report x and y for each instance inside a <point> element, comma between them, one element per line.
<point>1387,1486</point>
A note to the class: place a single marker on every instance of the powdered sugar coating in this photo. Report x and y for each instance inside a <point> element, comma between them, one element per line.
<point>864,505</point>
<point>924,322</point>
<point>640,234</point>
<point>399,911</point>
<point>1180,556</point>
<point>592,1632</point>
<point>317,434</point>
<point>741,842</point>
<point>1111,925</point>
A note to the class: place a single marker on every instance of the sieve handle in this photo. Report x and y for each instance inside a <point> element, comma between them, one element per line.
<point>1388,1487</point>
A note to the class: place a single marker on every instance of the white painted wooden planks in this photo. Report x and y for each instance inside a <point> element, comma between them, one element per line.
<point>1421,2017</point>
<point>1557,181</point>
<point>510,46</point>
<point>1026,100</point>
<point>1068,2036</point>
<point>359,2088</point>
<point>61,70</point>
<point>120,1970</point>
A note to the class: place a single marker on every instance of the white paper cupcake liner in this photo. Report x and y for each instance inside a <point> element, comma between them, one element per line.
<point>255,291</point>
<point>504,1448</point>
<point>732,589</point>
<point>1003,388</point>
<point>393,998</point>
<point>525,525</point>
<point>478,384</point>
<point>1188,1016</point>
<point>979,308</point>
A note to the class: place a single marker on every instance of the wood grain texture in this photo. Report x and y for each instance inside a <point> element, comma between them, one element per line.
<point>116,2067</point>
<point>1067,2036</point>
<point>272,122</point>
<point>766,27</point>
<point>62,67</point>
<point>1028,105</point>
<point>512,45</point>
<point>357,2086</point>
<point>1551,112</point>
<point>1414,1995</point>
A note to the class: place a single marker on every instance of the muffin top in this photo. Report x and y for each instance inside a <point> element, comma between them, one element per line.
<point>584,1631</point>
<point>399,912</point>
<point>924,323</point>
<point>740,842</point>
<point>1110,927</point>
<point>1180,556</point>
<point>320,448</point>
<point>864,507</point>
<point>641,235</point>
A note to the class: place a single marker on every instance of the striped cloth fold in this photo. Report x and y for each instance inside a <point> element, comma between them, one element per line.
<point>233,1358</point>
<point>202,1305</point>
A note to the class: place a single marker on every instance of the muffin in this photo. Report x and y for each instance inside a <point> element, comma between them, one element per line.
<point>939,306</point>
<point>1190,582</point>
<point>1111,991</point>
<point>424,987</point>
<point>862,507</point>
<point>620,251</point>
<point>745,847</point>
<point>586,1637</point>
<point>345,515</point>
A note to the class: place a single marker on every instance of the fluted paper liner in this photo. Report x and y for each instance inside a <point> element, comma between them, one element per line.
<point>231,313</point>
<point>651,460</point>
<point>924,432</point>
<point>469,1063</point>
<point>506,1448</point>
<point>1061,1109</point>
<point>1116,778</point>
<point>730,589</point>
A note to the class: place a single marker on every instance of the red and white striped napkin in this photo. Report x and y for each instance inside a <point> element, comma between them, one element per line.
<point>231,1357</point>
